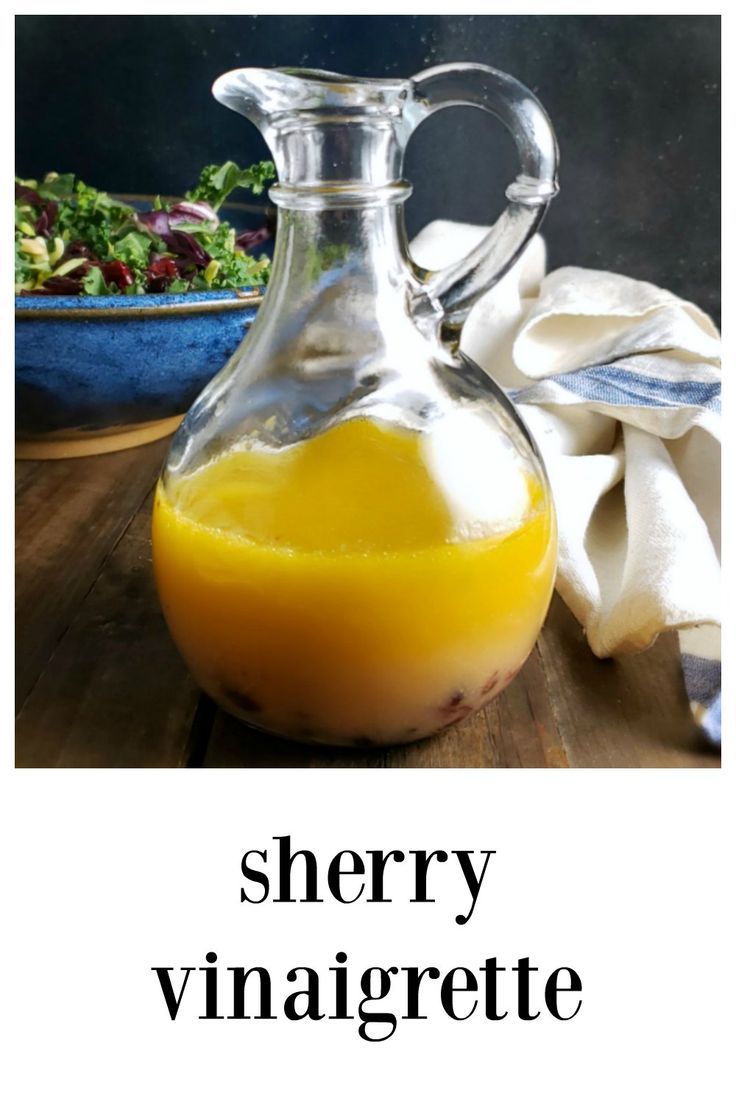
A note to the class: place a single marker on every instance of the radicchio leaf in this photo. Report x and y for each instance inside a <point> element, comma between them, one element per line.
<point>157,222</point>
<point>187,247</point>
<point>249,239</point>
<point>191,211</point>
<point>58,285</point>
<point>117,272</point>
<point>27,195</point>
<point>77,249</point>
<point>182,243</point>
<point>47,218</point>
<point>160,272</point>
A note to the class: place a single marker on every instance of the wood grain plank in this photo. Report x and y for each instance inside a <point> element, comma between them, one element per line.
<point>69,515</point>
<point>115,692</point>
<point>630,712</point>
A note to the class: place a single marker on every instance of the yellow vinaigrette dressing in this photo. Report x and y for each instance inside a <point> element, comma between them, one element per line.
<point>322,591</point>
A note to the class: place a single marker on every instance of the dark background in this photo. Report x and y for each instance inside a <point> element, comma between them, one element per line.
<point>124,102</point>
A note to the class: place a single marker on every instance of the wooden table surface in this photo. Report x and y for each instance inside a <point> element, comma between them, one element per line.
<point>100,684</point>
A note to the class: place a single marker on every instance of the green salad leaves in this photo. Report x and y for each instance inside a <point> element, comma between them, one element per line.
<point>216,182</point>
<point>71,239</point>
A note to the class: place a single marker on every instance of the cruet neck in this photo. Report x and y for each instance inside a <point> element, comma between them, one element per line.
<point>330,135</point>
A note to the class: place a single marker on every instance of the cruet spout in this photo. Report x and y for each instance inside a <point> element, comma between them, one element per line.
<point>260,94</point>
<point>324,126</point>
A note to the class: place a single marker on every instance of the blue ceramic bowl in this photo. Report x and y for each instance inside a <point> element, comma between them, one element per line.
<point>99,374</point>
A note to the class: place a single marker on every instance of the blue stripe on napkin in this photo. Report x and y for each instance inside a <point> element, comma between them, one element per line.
<point>619,386</point>
<point>711,722</point>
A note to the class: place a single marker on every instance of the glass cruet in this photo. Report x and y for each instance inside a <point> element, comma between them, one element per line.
<point>354,538</point>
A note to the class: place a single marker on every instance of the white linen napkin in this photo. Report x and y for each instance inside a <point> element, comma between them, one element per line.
<point>619,382</point>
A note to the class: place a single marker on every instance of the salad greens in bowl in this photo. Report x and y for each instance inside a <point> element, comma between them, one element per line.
<point>126,306</point>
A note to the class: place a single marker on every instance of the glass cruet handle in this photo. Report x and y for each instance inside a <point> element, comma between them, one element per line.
<point>457,287</point>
